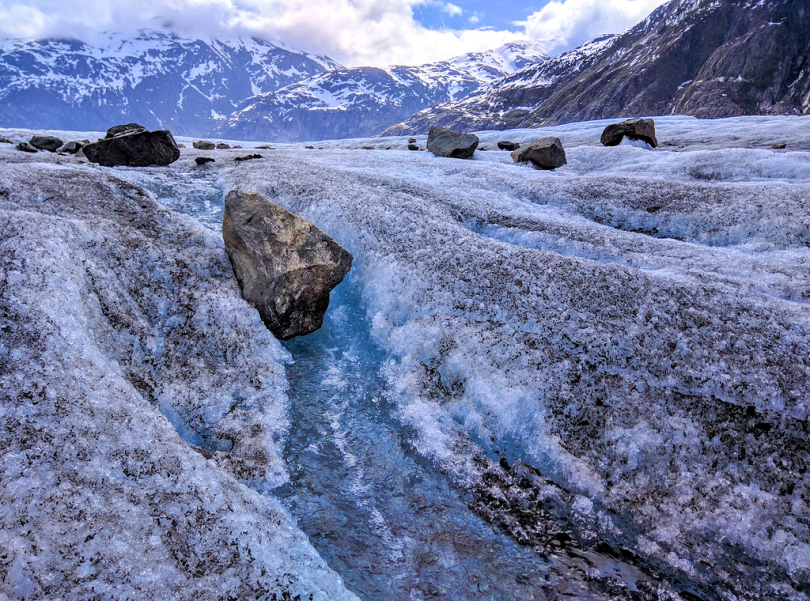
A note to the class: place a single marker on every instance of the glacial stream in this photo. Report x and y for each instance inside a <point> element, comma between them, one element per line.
<point>383,517</point>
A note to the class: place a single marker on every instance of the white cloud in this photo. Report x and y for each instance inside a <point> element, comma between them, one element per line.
<point>567,24</point>
<point>353,32</point>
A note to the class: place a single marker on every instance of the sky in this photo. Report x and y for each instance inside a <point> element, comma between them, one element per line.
<point>352,32</point>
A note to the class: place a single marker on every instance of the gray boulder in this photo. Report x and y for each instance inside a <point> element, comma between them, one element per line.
<point>49,143</point>
<point>204,145</point>
<point>26,147</point>
<point>138,149</point>
<point>203,160</point>
<point>223,146</point>
<point>545,153</point>
<point>285,266</point>
<point>72,147</point>
<point>5,141</point>
<point>635,129</point>
<point>507,145</point>
<point>124,130</point>
<point>445,142</point>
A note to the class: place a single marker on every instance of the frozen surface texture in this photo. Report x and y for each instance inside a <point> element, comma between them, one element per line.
<point>121,326</point>
<point>635,325</point>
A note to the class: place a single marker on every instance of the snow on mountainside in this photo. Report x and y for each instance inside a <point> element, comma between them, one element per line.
<point>157,79</point>
<point>707,58</point>
<point>365,100</point>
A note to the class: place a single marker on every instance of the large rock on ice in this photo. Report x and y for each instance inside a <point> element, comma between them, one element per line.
<point>545,153</point>
<point>49,143</point>
<point>445,142</point>
<point>635,129</point>
<point>138,149</point>
<point>285,265</point>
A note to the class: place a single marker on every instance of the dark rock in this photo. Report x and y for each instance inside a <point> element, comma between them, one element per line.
<point>181,145</point>
<point>124,130</point>
<point>545,153</point>
<point>264,147</point>
<point>367,147</point>
<point>72,147</point>
<point>49,143</point>
<point>248,157</point>
<point>203,160</point>
<point>309,147</point>
<point>5,141</point>
<point>26,147</point>
<point>635,129</point>
<point>134,150</point>
<point>413,147</point>
<point>779,146</point>
<point>411,140</point>
<point>223,146</point>
<point>507,145</point>
<point>204,145</point>
<point>285,266</point>
<point>445,142</point>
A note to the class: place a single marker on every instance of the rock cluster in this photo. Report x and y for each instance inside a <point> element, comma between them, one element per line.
<point>285,266</point>
<point>445,142</point>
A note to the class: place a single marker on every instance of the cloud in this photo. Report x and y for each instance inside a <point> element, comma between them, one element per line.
<point>570,23</point>
<point>353,32</point>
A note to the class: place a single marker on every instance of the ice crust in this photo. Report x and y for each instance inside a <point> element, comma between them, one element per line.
<point>638,331</point>
<point>121,326</point>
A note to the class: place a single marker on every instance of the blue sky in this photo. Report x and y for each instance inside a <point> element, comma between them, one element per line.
<point>352,32</point>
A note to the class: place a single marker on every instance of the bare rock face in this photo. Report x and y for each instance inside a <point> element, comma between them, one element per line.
<point>445,142</point>
<point>285,266</point>
<point>635,129</point>
<point>545,153</point>
<point>137,149</point>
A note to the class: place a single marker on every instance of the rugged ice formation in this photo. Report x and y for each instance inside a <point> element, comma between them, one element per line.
<point>124,342</point>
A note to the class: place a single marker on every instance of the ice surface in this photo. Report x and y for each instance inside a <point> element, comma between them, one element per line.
<point>122,327</point>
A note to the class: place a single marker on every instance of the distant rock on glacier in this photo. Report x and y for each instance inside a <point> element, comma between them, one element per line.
<point>363,101</point>
<point>707,58</point>
<point>157,78</point>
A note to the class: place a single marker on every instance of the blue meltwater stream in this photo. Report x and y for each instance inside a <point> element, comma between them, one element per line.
<point>383,517</point>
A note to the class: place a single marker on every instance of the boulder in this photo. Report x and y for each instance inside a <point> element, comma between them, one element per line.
<point>124,130</point>
<point>5,141</point>
<point>635,129</point>
<point>248,157</point>
<point>545,153</point>
<point>203,160</point>
<point>204,145</point>
<point>413,147</point>
<point>26,147</point>
<point>223,146</point>
<point>140,149</point>
<point>507,145</point>
<point>49,143</point>
<point>285,266</point>
<point>779,146</point>
<point>445,142</point>
<point>411,140</point>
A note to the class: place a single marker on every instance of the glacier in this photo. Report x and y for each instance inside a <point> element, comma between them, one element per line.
<point>600,372</point>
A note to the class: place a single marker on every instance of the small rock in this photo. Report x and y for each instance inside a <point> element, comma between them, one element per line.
<point>507,145</point>
<point>445,142</point>
<point>181,145</point>
<point>264,147</point>
<point>309,147</point>
<point>237,147</point>
<point>5,141</point>
<point>140,149</point>
<point>545,153</point>
<point>411,140</point>
<point>413,147</point>
<point>779,146</point>
<point>285,266</point>
<point>635,129</point>
<point>223,146</point>
<point>248,157</point>
<point>203,160</point>
<point>26,147</point>
<point>71,147</point>
<point>367,147</point>
<point>203,145</point>
<point>49,143</point>
<point>124,130</point>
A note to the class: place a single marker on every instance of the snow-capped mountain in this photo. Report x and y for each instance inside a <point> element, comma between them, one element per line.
<point>156,79</point>
<point>363,101</point>
<point>707,58</point>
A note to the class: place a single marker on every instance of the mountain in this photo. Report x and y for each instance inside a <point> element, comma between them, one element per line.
<point>363,101</point>
<point>156,79</point>
<point>707,58</point>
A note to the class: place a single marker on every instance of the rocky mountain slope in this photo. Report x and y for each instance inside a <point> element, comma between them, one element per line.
<point>156,79</point>
<point>363,101</point>
<point>707,58</point>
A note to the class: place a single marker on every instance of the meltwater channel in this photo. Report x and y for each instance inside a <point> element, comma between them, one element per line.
<point>383,517</point>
